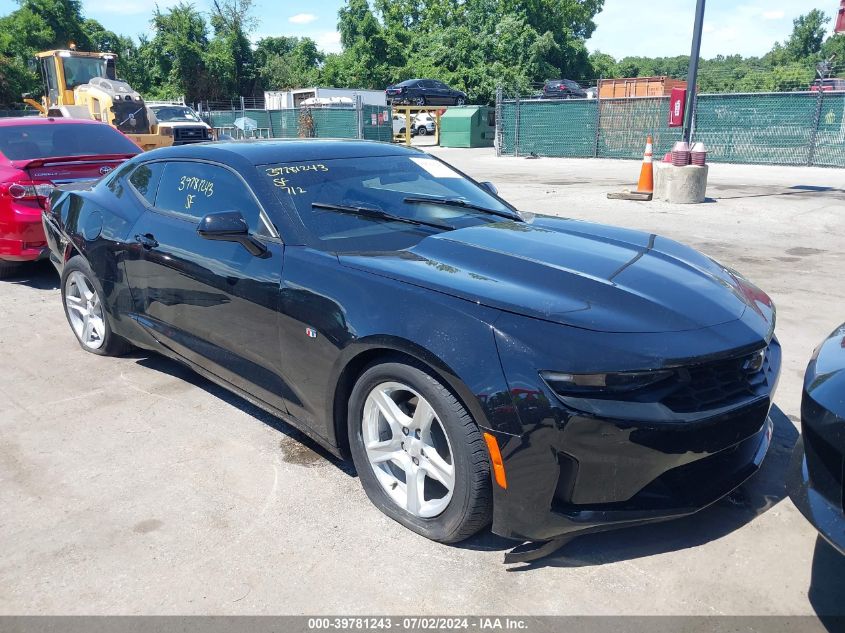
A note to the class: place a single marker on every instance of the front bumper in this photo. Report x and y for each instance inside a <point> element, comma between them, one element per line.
<point>825,515</point>
<point>537,505</point>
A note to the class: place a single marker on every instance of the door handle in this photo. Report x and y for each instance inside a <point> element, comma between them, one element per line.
<point>147,241</point>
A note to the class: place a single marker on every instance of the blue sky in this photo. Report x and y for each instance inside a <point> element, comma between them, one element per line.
<point>625,27</point>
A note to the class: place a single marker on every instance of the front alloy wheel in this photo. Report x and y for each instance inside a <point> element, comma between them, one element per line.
<point>408,449</point>
<point>419,454</point>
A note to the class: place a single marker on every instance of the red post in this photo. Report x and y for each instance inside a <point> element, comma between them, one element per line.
<point>840,18</point>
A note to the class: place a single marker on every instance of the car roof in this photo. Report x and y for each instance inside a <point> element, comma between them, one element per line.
<point>40,120</point>
<point>265,152</point>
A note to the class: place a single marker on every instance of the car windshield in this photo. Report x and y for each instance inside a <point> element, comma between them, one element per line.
<point>176,113</point>
<point>28,141</point>
<point>396,185</point>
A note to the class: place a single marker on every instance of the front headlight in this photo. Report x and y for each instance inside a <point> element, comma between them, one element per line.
<point>166,131</point>
<point>609,384</point>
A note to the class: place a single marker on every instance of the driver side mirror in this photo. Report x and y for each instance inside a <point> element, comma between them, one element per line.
<point>230,226</point>
<point>489,186</point>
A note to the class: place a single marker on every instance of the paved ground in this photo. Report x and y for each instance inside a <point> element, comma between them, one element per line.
<point>132,486</point>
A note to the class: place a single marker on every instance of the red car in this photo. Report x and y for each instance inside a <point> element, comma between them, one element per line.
<point>35,155</point>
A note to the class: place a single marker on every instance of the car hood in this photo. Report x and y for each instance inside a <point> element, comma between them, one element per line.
<point>574,273</point>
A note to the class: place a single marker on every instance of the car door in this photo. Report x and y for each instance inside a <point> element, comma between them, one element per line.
<point>440,93</point>
<point>446,94</point>
<point>426,89</point>
<point>212,302</point>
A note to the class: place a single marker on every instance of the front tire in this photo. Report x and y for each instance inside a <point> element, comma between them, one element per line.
<point>422,131</point>
<point>418,452</point>
<point>460,101</point>
<point>82,297</point>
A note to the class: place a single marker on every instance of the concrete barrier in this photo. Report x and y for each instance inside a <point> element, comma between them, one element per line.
<point>680,185</point>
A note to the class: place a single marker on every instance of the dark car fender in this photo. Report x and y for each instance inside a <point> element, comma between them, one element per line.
<point>358,316</point>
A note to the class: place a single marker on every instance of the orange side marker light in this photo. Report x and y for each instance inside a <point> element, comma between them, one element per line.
<point>496,457</point>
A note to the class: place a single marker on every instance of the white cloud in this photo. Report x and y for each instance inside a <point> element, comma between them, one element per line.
<point>302,18</point>
<point>777,14</point>
<point>329,41</point>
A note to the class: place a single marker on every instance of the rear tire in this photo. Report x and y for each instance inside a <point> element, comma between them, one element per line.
<point>422,131</point>
<point>82,298</point>
<point>430,439</point>
<point>7,269</point>
<point>420,101</point>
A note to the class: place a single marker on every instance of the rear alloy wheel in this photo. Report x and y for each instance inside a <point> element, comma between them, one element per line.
<point>418,453</point>
<point>420,101</point>
<point>82,298</point>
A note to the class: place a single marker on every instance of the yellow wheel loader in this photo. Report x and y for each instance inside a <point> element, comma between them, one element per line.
<point>81,85</point>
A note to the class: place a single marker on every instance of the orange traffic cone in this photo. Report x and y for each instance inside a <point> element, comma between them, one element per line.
<point>646,184</point>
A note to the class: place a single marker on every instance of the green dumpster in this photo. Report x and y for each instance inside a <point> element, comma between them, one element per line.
<point>467,126</point>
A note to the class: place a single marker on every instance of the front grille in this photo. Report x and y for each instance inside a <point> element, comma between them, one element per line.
<point>720,383</point>
<point>188,134</point>
<point>825,465</point>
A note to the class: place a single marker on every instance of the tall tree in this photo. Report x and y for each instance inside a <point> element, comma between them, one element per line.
<point>175,56</point>
<point>230,56</point>
<point>287,62</point>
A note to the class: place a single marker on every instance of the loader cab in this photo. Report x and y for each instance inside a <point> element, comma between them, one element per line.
<point>63,71</point>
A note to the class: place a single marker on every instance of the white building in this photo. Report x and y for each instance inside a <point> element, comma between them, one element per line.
<point>283,99</point>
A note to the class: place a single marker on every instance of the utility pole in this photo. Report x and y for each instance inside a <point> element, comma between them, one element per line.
<point>692,78</point>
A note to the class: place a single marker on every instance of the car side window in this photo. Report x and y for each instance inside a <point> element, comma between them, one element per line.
<point>145,180</point>
<point>193,190</point>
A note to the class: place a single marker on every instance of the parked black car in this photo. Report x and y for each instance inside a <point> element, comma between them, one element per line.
<point>554,376</point>
<point>818,464</point>
<point>563,89</point>
<point>424,92</point>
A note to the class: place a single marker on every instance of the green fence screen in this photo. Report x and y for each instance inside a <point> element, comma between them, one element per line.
<point>805,128</point>
<point>372,123</point>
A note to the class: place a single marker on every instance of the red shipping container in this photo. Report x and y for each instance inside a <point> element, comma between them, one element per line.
<point>677,107</point>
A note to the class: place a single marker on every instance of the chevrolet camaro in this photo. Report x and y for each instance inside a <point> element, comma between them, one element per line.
<point>477,364</point>
<point>817,471</point>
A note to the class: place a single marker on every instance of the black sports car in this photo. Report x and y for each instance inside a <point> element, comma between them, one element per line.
<point>477,364</point>
<point>818,462</point>
<point>563,89</point>
<point>424,92</point>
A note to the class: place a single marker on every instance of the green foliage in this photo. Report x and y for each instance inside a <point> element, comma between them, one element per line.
<point>287,62</point>
<point>473,45</point>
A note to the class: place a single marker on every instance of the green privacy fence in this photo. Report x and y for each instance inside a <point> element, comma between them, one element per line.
<point>11,113</point>
<point>369,122</point>
<point>806,128</point>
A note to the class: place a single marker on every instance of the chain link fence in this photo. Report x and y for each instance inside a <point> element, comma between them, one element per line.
<point>794,128</point>
<point>364,121</point>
